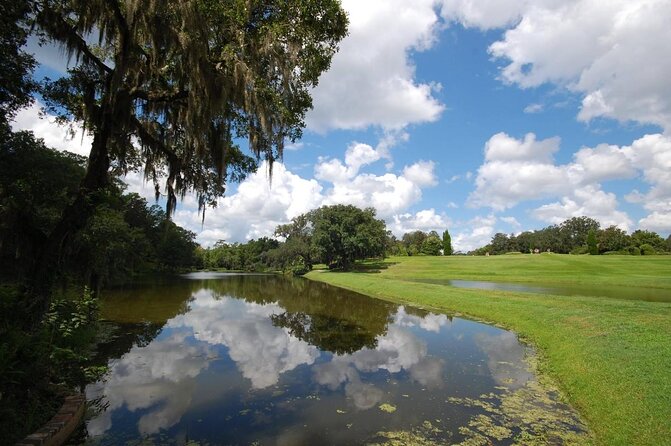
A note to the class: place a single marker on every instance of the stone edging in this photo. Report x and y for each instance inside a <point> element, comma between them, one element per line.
<point>61,426</point>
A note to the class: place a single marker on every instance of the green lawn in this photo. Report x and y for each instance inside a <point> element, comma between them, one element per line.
<point>611,357</point>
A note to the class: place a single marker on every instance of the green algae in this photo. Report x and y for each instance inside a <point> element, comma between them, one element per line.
<point>386,407</point>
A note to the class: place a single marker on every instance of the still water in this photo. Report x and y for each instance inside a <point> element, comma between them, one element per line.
<point>251,359</point>
<point>616,292</point>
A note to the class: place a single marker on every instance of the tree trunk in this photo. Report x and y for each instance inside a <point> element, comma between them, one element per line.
<point>74,218</point>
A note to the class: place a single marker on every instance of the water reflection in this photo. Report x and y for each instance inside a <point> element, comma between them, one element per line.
<point>245,359</point>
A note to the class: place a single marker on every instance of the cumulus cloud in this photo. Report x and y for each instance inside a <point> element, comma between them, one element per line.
<point>517,170</point>
<point>480,231</point>
<point>426,220</point>
<point>421,173</point>
<point>371,81</point>
<point>601,50</point>
<point>520,170</point>
<point>588,200</point>
<point>257,207</point>
<point>389,193</point>
<point>56,136</point>
<point>512,221</point>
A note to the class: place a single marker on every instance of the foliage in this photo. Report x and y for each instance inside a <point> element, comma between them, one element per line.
<point>172,88</point>
<point>36,184</point>
<point>641,237</point>
<point>432,245</point>
<point>16,84</point>
<point>591,243</point>
<point>647,249</point>
<point>124,237</point>
<point>38,367</point>
<point>250,256</point>
<point>573,236</point>
<point>447,244</point>
<point>612,239</point>
<point>342,234</point>
<point>574,231</point>
<point>412,241</point>
<point>71,324</point>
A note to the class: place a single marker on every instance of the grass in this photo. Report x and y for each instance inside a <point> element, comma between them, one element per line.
<point>610,357</point>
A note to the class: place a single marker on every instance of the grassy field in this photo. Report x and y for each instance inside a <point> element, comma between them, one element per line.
<point>610,357</point>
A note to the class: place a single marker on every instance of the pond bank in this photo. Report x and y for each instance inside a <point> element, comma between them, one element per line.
<point>610,357</point>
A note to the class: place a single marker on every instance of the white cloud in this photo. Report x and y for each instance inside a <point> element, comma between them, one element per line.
<point>604,162</point>
<point>502,147</point>
<point>425,220</point>
<point>613,52</point>
<point>521,170</point>
<point>54,135</point>
<point>421,173</point>
<point>371,81</point>
<point>483,14</point>
<point>257,207</point>
<point>533,108</point>
<point>480,231</point>
<point>512,221</point>
<point>657,221</point>
<point>590,201</point>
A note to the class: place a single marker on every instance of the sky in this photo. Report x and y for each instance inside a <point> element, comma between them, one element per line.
<point>476,116</point>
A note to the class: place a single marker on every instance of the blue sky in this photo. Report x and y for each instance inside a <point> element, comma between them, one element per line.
<point>481,117</point>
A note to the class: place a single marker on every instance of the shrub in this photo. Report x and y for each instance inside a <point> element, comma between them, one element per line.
<point>579,250</point>
<point>299,267</point>
<point>647,250</point>
<point>634,250</point>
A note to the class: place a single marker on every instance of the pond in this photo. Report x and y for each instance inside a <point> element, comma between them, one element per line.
<point>213,359</point>
<point>616,292</point>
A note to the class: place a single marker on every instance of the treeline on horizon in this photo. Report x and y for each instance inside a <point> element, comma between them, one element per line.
<point>578,235</point>
<point>300,251</point>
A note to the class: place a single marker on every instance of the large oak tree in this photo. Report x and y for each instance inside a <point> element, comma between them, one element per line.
<point>173,87</point>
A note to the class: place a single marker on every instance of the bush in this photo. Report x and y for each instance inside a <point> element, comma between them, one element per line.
<point>634,251</point>
<point>647,250</point>
<point>579,250</point>
<point>299,267</point>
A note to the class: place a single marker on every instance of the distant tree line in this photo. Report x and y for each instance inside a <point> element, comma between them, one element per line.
<point>578,235</point>
<point>335,235</point>
<point>421,243</point>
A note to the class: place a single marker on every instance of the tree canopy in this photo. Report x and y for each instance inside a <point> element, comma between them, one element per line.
<point>187,80</point>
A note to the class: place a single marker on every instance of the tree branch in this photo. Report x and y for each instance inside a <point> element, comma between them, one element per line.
<point>152,96</point>
<point>63,32</point>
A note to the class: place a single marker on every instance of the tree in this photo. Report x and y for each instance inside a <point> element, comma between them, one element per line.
<point>501,244</point>
<point>342,234</point>
<point>612,239</point>
<point>432,245</point>
<point>447,244</point>
<point>591,242</point>
<point>413,241</point>
<point>641,237</point>
<point>36,184</point>
<point>574,231</point>
<point>186,80</point>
